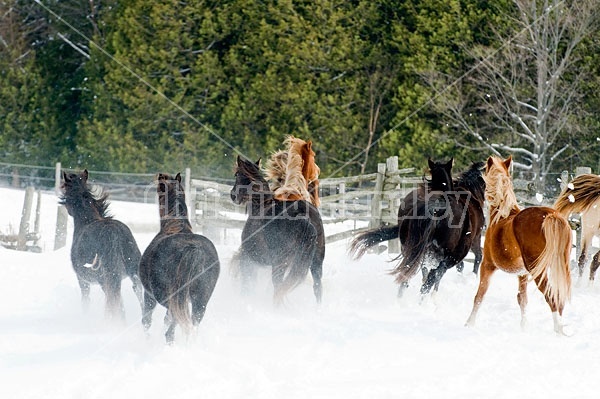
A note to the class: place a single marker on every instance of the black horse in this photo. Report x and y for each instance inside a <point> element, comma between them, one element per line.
<point>435,225</point>
<point>286,235</point>
<point>103,250</point>
<point>178,267</point>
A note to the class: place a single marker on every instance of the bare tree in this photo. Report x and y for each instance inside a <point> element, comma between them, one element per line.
<point>521,98</point>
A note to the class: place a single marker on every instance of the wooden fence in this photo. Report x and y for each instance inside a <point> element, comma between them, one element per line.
<point>372,199</point>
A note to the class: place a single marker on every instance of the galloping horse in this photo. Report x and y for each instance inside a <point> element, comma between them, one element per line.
<point>534,242</point>
<point>282,168</point>
<point>582,195</point>
<point>178,267</point>
<point>103,250</point>
<point>286,235</point>
<point>438,222</point>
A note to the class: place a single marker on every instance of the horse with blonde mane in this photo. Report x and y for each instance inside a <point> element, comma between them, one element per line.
<point>582,195</point>
<point>293,173</point>
<point>534,242</point>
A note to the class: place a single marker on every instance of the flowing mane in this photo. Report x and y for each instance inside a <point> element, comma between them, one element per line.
<point>172,207</point>
<point>293,172</point>
<point>579,195</point>
<point>499,190</point>
<point>275,170</point>
<point>250,183</point>
<point>78,197</point>
<point>472,181</point>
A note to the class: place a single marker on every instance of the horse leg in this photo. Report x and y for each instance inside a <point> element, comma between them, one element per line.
<point>112,292</point>
<point>433,278</point>
<point>277,275</point>
<point>522,298</point>
<point>594,266</point>
<point>137,288</point>
<point>85,293</point>
<point>582,257</point>
<point>171,324</point>
<point>401,288</point>
<point>542,283</point>
<point>316,270</point>
<point>478,252</point>
<point>247,272</point>
<point>485,273</point>
<point>149,305</point>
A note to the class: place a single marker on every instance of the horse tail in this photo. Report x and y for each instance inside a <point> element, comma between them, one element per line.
<point>417,231</point>
<point>365,240</point>
<point>299,264</point>
<point>553,262</point>
<point>581,193</point>
<point>185,273</point>
<point>419,235</point>
<point>112,263</point>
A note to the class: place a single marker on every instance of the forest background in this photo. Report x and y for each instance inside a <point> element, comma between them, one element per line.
<point>159,85</point>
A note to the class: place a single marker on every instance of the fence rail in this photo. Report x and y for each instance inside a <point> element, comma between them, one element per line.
<point>373,198</point>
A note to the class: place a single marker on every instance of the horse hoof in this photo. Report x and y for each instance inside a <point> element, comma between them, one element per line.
<point>565,331</point>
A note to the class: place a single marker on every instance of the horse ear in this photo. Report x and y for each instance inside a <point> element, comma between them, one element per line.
<point>66,177</point>
<point>239,160</point>
<point>257,163</point>
<point>490,163</point>
<point>178,177</point>
<point>507,162</point>
<point>309,145</point>
<point>450,163</point>
<point>84,175</point>
<point>430,163</point>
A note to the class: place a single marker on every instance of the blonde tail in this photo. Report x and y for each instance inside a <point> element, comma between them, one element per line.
<point>553,262</point>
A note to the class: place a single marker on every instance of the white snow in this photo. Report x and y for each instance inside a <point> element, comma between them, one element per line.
<point>539,197</point>
<point>361,343</point>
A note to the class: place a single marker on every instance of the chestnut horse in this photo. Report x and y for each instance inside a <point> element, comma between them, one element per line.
<point>582,195</point>
<point>534,242</point>
<point>293,173</point>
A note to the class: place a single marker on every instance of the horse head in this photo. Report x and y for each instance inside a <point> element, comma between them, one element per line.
<point>171,197</point>
<point>249,182</point>
<point>78,198</point>
<point>441,175</point>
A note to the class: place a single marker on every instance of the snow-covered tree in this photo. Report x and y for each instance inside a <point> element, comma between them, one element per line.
<point>522,98</point>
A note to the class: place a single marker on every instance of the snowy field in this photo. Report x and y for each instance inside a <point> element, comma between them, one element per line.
<point>361,343</point>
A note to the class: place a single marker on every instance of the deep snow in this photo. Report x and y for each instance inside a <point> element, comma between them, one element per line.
<point>361,343</point>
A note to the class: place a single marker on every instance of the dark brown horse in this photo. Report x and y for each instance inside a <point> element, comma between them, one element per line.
<point>438,223</point>
<point>178,267</point>
<point>288,236</point>
<point>103,249</point>
<point>532,243</point>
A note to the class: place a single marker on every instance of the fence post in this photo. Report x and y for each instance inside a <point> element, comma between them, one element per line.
<point>564,179</point>
<point>25,216</point>
<point>189,201</point>
<point>57,178</point>
<point>342,208</point>
<point>38,210</point>
<point>393,202</point>
<point>377,197</point>
<point>60,236</point>
<point>580,170</point>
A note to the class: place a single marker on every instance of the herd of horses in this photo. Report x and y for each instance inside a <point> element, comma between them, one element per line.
<point>439,222</point>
